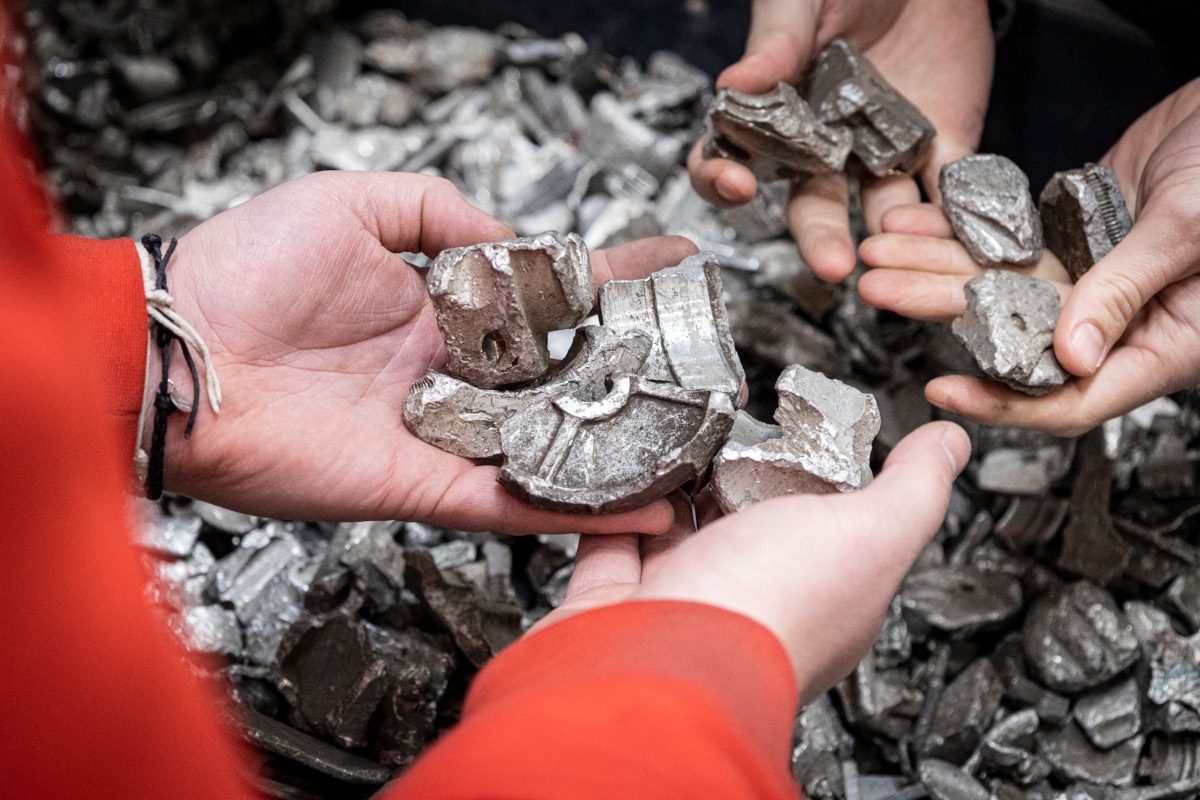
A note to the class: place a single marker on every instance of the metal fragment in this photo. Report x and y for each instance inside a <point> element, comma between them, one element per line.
<point>284,740</point>
<point>986,198</point>
<point>965,711</point>
<point>776,134</point>
<point>1112,715</point>
<point>845,89</point>
<point>1074,758</point>
<point>682,307</point>
<point>822,444</point>
<point>944,781</point>
<point>462,419</point>
<point>496,302</point>
<point>821,743</point>
<point>1084,216</point>
<point>1091,545</point>
<point>173,535</point>
<point>1077,638</point>
<point>960,600</point>
<point>223,519</point>
<point>631,447</point>
<point>1008,748</point>
<point>1008,326</point>
<point>212,629</point>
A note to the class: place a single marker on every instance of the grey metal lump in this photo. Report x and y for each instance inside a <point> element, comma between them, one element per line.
<point>845,89</point>
<point>959,600</point>
<point>1077,638</point>
<point>465,420</point>
<point>682,308</point>
<point>947,782</point>
<point>986,198</point>
<point>496,302</point>
<point>1112,715</point>
<point>776,134</point>
<point>822,443</point>
<point>1084,216</point>
<point>1008,326</point>
<point>575,455</point>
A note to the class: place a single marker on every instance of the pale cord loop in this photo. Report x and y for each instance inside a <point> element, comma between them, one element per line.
<point>160,311</point>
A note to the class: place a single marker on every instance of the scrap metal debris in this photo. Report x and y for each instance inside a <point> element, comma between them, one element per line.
<point>1008,327</point>
<point>1084,216</point>
<point>157,121</point>
<point>986,198</point>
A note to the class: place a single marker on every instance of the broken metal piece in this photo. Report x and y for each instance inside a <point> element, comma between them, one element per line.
<point>822,444</point>
<point>1008,326</point>
<point>1028,471</point>
<point>964,712</point>
<point>465,420</point>
<point>211,629</point>
<point>173,535</point>
<point>682,307</point>
<point>944,781</point>
<point>1031,521</point>
<point>282,739</point>
<point>1077,638</point>
<point>821,743</point>
<point>776,134</point>
<point>223,519</point>
<point>496,302</point>
<point>1091,545</point>
<point>959,600</point>
<point>1008,748</point>
<point>1074,758</point>
<point>641,441</point>
<point>1112,715</point>
<point>846,90</point>
<point>1084,216</point>
<point>986,198</point>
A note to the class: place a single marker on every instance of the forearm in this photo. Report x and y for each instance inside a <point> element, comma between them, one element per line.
<point>632,700</point>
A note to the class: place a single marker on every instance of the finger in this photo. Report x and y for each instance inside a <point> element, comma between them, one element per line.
<point>916,295</point>
<point>474,501</point>
<point>413,213</point>
<point>604,561</point>
<point>656,549</point>
<point>778,48</point>
<point>919,253</point>
<point>921,219</point>
<point>945,149</point>
<point>720,181</point>
<point>883,194</point>
<point>639,259</point>
<point>1158,251</point>
<point>819,218</point>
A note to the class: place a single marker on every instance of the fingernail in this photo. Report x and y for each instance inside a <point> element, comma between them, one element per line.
<point>1088,343</point>
<point>957,447</point>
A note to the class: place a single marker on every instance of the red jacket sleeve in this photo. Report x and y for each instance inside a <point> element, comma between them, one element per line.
<point>641,700</point>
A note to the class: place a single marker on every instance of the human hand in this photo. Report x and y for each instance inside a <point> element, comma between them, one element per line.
<point>938,53</point>
<point>817,570</point>
<point>317,329</point>
<point>1129,327</point>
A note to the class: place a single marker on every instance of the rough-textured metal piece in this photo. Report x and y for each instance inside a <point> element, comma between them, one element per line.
<point>636,444</point>
<point>1007,748</point>
<point>465,420</point>
<point>1112,715</point>
<point>845,89</point>
<point>822,443</point>
<point>283,740</point>
<point>1078,638</point>
<point>987,200</point>
<point>944,781</point>
<point>1084,216</point>
<point>776,134</point>
<point>223,519</point>
<point>496,302</point>
<point>1008,327</point>
<point>964,713</point>
<point>682,307</point>
<point>212,629</point>
<point>960,600</point>
<point>169,535</point>
<point>1074,758</point>
<point>821,743</point>
<point>1091,546</point>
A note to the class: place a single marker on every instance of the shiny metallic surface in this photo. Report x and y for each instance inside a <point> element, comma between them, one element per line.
<point>986,198</point>
<point>1084,216</point>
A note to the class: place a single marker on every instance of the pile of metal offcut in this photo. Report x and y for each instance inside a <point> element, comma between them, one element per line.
<point>1044,645</point>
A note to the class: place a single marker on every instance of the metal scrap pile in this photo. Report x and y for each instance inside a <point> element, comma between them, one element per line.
<point>1046,645</point>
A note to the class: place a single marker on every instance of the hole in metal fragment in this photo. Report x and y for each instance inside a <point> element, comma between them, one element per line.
<point>493,347</point>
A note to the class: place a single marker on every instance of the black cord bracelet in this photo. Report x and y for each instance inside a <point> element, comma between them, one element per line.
<point>163,404</point>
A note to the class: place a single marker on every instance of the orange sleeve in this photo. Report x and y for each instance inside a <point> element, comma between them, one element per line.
<point>648,700</point>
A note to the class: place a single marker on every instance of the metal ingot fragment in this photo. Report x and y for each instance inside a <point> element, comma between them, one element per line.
<point>845,89</point>
<point>1084,216</point>
<point>822,444</point>
<point>776,134</point>
<point>631,447</point>
<point>682,307</point>
<point>465,420</point>
<point>496,302</point>
<point>986,197</point>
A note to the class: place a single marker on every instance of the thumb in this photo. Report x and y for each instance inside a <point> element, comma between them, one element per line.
<point>778,48</point>
<point>1113,292</point>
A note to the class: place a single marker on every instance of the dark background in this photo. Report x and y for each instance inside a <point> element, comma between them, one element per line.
<point>1071,75</point>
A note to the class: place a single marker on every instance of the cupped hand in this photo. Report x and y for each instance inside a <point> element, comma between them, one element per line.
<point>817,570</point>
<point>318,329</point>
<point>1130,328</point>
<point>938,53</point>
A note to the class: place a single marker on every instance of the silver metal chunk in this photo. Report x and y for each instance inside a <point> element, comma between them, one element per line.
<point>465,420</point>
<point>633,446</point>
<point>776,134</point>
<point>1084,216</point>
<point>682,307</point>
<point>845,89</point>
<point>822,443</point>
<point>1008,327</point>
<point>496,302</point>
<point>1078,639</point>
<point>987,200</point>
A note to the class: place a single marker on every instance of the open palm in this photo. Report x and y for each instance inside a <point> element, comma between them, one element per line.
<point>318,329</point>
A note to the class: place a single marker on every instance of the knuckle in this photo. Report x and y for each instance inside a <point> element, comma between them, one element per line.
<point>1120,298</point>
